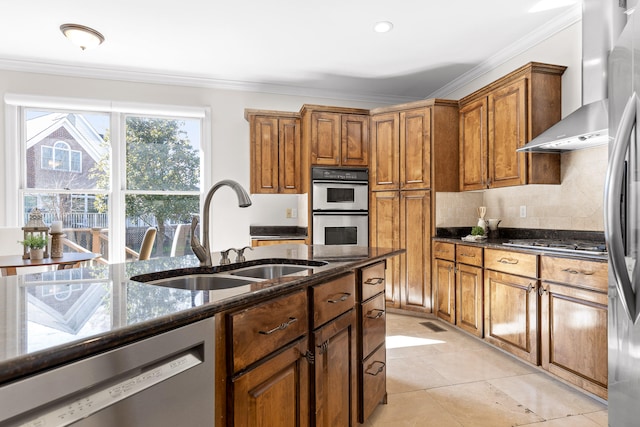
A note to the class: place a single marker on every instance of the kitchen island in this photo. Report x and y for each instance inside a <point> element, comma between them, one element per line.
<point>55,318</point>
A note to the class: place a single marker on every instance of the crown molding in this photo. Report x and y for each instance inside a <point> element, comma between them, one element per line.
<point>145,76</point>
<point>552,27</point>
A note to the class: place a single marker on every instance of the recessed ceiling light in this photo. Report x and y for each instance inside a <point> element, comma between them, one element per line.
<point>382,27</point>
<point>81,36</point>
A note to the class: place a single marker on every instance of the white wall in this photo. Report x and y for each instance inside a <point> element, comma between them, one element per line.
<point>229,130</point>
<point>577,203</point>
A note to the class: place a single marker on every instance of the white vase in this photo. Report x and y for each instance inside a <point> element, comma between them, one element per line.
<point>36,253</point>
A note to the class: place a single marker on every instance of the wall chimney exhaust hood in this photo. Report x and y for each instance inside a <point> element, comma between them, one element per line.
<point>602,23</point>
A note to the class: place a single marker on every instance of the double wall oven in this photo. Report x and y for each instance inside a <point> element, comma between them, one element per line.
<point>340,206</point>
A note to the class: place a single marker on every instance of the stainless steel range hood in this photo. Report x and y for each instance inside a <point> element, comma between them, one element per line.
<point>602,22</point>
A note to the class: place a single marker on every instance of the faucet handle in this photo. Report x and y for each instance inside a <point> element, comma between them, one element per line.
<point>225,256</point>
<point>240,252</point>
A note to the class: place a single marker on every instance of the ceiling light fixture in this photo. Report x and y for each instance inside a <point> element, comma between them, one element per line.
<point>84,37</point>
<point>382,27</point>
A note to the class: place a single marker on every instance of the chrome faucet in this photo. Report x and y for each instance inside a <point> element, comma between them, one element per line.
<point>203,251</point>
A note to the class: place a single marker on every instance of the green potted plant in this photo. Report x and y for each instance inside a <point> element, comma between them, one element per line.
<point>36,244</point>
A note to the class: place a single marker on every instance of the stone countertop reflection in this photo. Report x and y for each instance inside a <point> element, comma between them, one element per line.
<point>56,317</point>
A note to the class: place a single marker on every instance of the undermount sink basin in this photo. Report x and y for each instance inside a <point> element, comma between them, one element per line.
<point>201,282</point>
<point>270,271</point>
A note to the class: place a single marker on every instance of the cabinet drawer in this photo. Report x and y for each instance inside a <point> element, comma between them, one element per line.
<point>374,380</point>
<point>261,329</point>
<point>442,250</point>
<point>588,274</point>
<point>372,281</point>
<point>373,324</point>
<point>512,262</point>
<point>470,255</point>
<point>333,298</point>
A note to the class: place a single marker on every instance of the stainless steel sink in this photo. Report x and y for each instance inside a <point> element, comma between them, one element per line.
<point>202,282</point>
<point>270,271</point>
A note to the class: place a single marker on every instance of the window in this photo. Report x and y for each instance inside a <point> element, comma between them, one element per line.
<point>60,157</point>
<point>107,173</point>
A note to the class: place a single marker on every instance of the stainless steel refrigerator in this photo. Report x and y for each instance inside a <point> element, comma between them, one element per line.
<point>622,224</point>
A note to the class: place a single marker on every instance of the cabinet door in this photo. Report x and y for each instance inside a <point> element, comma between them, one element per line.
<point>355,140</point>
<point>507,108</point>
<point>275,392</point>
<point>325,138</point>
<point>473,145</point>
<point>264,147</point>
<point>444,283</point>
<point>574,336</point>
<point>469,297</point>
<point>335,367</point>
<point>385,133</point>
<point>384,232</point>
<point>511,314</point>
<point>415,237</point>
<point>415,149</point>
<point>290,157</point>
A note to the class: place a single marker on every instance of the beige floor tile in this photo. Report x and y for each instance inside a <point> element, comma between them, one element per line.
<point>601,418</point>
<point>574,421</point>
<point>547,397</point>
<point>414,409</point>
<point>411,374</point>
<point>480,404</point>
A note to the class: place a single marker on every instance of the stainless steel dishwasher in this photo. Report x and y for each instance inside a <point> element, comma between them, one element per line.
<point>166,380</point>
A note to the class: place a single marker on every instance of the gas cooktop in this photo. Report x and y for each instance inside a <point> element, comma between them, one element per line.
<point>571,246</point>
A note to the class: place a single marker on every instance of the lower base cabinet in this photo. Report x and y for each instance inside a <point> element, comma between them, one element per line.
<point>276,390</point>
<point>335,372</point>
<point>511,314</point>
<point>469,298</point>
<point>373,377</point>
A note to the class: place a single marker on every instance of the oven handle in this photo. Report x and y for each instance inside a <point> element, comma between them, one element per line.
<point>340,182</point>
<point>340,213</point>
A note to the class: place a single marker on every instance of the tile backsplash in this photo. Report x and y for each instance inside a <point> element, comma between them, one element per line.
<point>576,204</point>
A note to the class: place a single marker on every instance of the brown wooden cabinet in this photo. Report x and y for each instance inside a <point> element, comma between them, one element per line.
<point>444,281</point>
<point>573,330</point>
<point>276,158</point>
<point>414,151</point>
<point>511,302</point>
<point>384,232</point>
<point>371,310</point>
<point>470,289</point>
<point>335,352</point>
<point>267,363</point>
<point>503,116</point>
<point>336,136</point>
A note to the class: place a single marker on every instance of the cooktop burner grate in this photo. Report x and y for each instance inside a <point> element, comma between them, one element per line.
<point>572,246</point>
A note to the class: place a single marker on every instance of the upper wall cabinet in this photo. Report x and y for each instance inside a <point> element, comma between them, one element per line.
<point>336,136</point>
<point>502,117</point>
<point>276,156</point>
<point>414,146</point>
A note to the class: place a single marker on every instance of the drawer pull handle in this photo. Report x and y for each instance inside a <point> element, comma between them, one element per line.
<point>467,255</point>
<point>508,261</point>
<point>344,297</point>
<point>371,371</point>
<point>379,314</point>
<point>572,271</point>
<point>280,327</point>
<point>374,281</point>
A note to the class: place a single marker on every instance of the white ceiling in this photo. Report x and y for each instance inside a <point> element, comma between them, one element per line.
<point>285,46</point>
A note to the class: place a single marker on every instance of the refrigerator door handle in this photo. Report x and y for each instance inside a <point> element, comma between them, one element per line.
<point>612,209</point>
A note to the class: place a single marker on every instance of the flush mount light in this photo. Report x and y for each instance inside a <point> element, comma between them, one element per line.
<point>382,27</point>
<point>81,36</point>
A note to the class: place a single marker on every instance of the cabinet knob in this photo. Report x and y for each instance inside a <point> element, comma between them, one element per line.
<point>541,291</point>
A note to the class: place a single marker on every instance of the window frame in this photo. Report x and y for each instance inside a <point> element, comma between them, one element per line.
<point>15,184</point>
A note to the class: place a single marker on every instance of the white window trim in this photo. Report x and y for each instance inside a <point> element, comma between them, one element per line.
<point>14,108</point>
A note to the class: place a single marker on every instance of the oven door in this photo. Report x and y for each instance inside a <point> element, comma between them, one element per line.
<point>334,195</point>
<point>340,228</point>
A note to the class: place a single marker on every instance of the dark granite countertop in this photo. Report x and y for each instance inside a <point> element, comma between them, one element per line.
<point>53,318</point>
<point>454,235</point>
